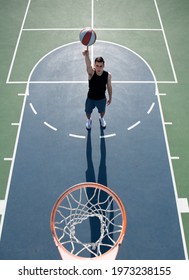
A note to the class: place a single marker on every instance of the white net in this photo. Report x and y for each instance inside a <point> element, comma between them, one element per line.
<point>88,222</point>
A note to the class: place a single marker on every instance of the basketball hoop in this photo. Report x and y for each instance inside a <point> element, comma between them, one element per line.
<point>88,221</point>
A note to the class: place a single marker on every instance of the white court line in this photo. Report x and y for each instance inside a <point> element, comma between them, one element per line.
<point>50,126</point>
<point>2,207</point>
<point>96,29</point>
<point>77,136</point>
<point>134,125</point>
<point>165,39</point>
<point>168,123</point>
<point>58,82</point>
<point>107,136</point>
<point>144,82</point>
<point>16,82</point>
<point>183,205</point>
<point>128,29</point>
<point>175,158</point>
<point>92,14</point>
<point>33,109</point>
<point>133,82</point>
<point>15,124</point>
<point>7,159</point>
<point>151,108</point>
<point>92,26</point>
<point>84,82</point>
<point>54,29</point>
<point>18,41</point>
<point>12,163</point>
<point>173,177</point>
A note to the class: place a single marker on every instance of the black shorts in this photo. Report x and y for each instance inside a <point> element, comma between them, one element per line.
<point>90,104</point>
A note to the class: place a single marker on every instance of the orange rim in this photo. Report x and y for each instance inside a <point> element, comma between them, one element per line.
<point>61,248</point>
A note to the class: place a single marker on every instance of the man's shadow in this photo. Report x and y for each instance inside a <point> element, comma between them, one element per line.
<point>102,199</point>
<point>102,173</point>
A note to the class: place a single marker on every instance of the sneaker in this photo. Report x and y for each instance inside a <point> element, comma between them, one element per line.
<point>102,122</point>
<point>88,124</point>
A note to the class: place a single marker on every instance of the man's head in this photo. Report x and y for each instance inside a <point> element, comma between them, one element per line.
<point>99,65</point>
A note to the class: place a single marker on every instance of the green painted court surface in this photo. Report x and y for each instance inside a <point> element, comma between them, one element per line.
<point>154,30</point>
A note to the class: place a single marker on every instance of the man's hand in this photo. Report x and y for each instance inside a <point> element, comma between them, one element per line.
<point>109,87</point>
<point>109,101</point>
<point>90,70</point>
<point>86,52</point>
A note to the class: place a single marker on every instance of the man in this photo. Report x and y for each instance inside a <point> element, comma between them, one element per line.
<point>99,81</point>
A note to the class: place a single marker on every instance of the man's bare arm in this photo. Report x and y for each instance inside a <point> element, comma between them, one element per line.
<point>109,88</point>
<point>89,68</point>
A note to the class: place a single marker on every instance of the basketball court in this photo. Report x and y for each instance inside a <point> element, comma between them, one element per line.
<point>54,151</point>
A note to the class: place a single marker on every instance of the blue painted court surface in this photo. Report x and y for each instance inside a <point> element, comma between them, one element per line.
<point>55,151</point>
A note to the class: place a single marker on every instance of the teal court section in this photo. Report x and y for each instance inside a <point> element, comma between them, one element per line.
<point>55,152</point>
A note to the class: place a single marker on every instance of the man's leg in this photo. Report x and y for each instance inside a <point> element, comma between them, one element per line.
<point>102,120</point>
<point>88,110</point>
<point>102,115</point>
<point>88,116</point>
<point>101,110</point>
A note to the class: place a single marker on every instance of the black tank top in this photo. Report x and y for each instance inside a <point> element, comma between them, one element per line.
<point>97,86</point>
